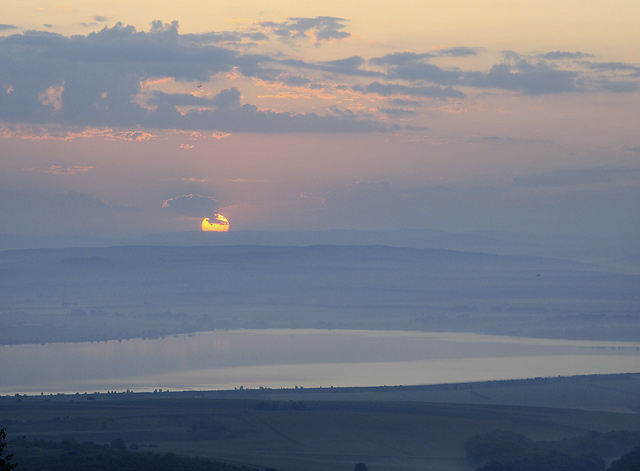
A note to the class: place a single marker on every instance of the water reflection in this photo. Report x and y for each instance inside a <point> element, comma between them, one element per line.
<point>309,358</point>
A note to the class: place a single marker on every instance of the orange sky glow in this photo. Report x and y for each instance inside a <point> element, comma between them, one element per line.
<point>455,116</point>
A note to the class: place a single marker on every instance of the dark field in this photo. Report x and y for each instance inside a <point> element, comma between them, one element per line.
<point>302,429</point>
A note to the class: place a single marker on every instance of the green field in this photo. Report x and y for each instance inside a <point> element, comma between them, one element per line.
<point>315,430</point>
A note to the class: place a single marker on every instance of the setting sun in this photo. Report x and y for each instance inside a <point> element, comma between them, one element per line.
<point>218,223</point>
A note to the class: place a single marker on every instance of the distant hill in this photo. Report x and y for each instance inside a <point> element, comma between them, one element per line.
<point>585,247</point>
<point>79,293</point>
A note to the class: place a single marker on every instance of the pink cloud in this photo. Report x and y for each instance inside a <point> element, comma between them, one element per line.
<point>52,96</point>
<point>60,170</point>
<point>58,133</point>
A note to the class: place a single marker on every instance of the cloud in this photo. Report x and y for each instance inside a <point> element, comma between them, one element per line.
<point>319,29</point>
<point>101,72</point>
<point>64,133</point>
<point>70,213</point>
<point>250,118</point>
<point>458,51</point>
<point>390,89</point>
<point>295,80</point>
<point>383,205</point>
<point>348,66</point>
<point>60,170</point>
<point>96,80</point>
<point>100,18</point>
<point>113,78</point>
<point>564,55</point>
<point>399,58</point>
<point>539,74</point>
<point>403,102</point>
<point>366,201</point>
<point>127,135</point>
<point>5,27</point>
<point>404,57</point>
<point>618,87</point>
<point>586,176</point>
<point>616,77</point>
<point>515,73</point>
<point>229,98</point>
<point>519,74</point>
<point>629,70</point>
<point>216,219</point>
<point>192,205</point>
<point>52,96</point>
<point>236,38</point>
<point>397,111</point>
<point>379,204</point>
<point>413,70</point>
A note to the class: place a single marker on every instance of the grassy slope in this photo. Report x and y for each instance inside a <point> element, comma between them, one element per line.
<point>612,393</point>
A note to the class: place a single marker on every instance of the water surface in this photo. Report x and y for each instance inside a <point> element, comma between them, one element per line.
<point>297,357</point>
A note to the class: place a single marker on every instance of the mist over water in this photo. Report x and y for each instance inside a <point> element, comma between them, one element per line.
<point>276,358</point>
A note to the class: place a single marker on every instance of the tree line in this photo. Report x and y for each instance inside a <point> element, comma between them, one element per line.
<point>504,450</point>
<point>70,455</point>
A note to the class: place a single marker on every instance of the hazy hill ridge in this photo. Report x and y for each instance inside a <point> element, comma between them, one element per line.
<point>66,294</point>
<point>583,247</point>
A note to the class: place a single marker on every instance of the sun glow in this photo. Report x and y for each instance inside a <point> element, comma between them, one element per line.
<point>218,223</point>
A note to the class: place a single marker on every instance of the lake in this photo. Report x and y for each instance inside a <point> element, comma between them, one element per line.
<point>284,358</point>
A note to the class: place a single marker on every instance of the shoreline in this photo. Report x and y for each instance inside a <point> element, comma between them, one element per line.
<point>325,393</point>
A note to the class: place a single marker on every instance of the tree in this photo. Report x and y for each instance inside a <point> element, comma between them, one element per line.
<point>5,463</point>
<point>628,462</point>
<point>499,445</point>
<point>118,444</point>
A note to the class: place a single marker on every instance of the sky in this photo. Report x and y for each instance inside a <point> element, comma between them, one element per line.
<point>127,118</point>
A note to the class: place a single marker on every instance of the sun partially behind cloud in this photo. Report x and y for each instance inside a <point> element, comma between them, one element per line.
<point>216,223</point>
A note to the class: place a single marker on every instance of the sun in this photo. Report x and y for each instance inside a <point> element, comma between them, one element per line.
<point>217,223</point>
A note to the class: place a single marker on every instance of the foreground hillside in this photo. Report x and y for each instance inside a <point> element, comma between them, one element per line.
<point>121,292</point>
<point>318,435</point>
